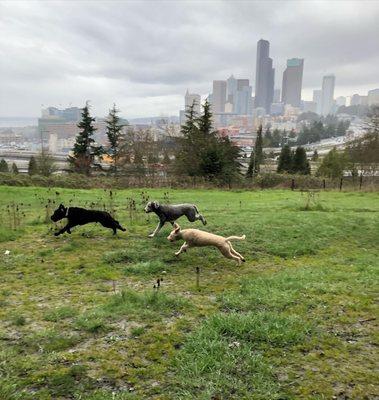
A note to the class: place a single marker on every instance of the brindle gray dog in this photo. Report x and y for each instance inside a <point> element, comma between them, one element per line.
<point>171,212</point>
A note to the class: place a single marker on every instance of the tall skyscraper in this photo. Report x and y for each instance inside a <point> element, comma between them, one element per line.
<point>219,96</point>
<point>231,89</point>
<point>327,95</point>
<point>192,98</point>
<point>243,101</point>
<point>189,99</point>
<point>292,82</point>
<point>264,77</point>
<point>276,96</point>
<point>317,99</point>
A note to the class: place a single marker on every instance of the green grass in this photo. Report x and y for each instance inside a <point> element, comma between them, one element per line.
<point>81,318</point>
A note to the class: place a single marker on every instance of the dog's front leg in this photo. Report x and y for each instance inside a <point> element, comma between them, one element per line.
<point>158,228</point>
<point>182,249</point>
<point>63,230</point>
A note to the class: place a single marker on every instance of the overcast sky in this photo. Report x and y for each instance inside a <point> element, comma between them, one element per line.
<point>144,55</point>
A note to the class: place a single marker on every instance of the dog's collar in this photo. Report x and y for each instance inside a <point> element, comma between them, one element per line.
<point>66,215</point>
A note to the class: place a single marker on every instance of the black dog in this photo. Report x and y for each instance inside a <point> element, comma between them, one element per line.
<point>170,213</point>
<point>81,216</point>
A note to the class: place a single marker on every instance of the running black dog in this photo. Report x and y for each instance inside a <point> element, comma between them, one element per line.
<point>81,216</point>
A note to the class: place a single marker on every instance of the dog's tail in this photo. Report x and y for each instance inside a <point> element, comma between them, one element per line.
<point>243,237</point>
<point>120,227</point>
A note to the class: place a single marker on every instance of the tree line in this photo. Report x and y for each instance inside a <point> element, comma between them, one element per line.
<point>128,151</point>
<point>199,152</point>
<point>312,132</point>
<point>361,156</point>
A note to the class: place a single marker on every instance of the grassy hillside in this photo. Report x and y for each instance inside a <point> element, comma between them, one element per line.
<point>81,318</point>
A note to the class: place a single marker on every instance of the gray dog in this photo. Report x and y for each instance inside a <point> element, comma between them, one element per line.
<point>170,213</point>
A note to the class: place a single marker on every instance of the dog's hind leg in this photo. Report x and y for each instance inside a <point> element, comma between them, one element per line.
<point>226,252</point>
<point>236,252</point>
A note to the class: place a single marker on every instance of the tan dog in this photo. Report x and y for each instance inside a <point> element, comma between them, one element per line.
<point>198,238</point>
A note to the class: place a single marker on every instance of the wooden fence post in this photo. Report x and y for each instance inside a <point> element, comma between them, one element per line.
<point>198,278</point>
<point>293,184</point>
<point>324,184</point>
<point>360,181</point>
<point>341,184</point>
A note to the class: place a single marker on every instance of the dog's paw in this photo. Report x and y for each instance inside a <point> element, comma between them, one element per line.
<point>151,235</point>
<point>177,253</point>
<point>243,260</point>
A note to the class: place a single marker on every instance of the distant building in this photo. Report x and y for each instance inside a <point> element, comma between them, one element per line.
<point>189,100</point>
<point>292,82</point>
<point>192,99</point>
<point>373,97</point>
<point>317,95</point>
<point>276,98</point>
<point>71,114</point>
<point>327,95</point>
<point>243,100</point>
<point>60,121</point>
<point>309,106</point>
<point>219,96</point>
<point>355,100</point>
<point>341,101</point>
<point>231,89</point>
<point>264,77</point>
<point>364,100</point>
<point>277,109</point>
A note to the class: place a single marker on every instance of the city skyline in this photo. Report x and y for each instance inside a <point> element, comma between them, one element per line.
<point>54,55</point>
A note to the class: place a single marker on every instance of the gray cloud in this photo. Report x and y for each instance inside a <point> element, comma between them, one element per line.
<point>144,55</point>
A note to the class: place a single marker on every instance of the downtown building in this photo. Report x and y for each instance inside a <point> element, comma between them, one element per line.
<point>264,77</point>
<point>327,95</point>
<point>292,82</point>
<point>189,100</point>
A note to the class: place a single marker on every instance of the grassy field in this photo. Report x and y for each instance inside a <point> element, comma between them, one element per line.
<point>81,318</point>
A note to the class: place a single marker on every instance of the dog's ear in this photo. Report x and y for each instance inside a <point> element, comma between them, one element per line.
<point>176,228</point>
<point>61,206</point>
<point>156,204</point>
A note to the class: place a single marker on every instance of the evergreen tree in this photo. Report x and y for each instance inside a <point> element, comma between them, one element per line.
<point>202,151</point>
<point>188,158</point>
<point>300,162</point>
<point>32,166</point>
<point>85,149</point>
<point>292,134</point>
<point>114,133</point>
<point>315,155</point>
<point>14,169</point>
<point>219,156</point>
<point>4,166</point>
<point>285,159</point>
<point>256,157</point>
<point>342,127</point>
<point>276,138</point>
<point>267,140</point>
<point>45,164</point>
